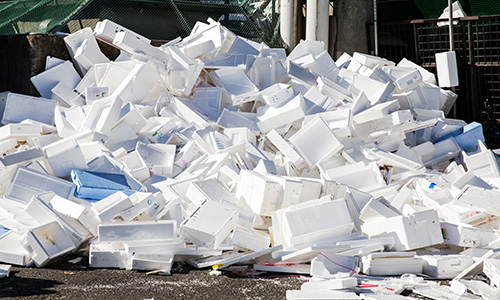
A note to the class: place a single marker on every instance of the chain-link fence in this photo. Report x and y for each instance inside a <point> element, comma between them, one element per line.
<point>161,20</point>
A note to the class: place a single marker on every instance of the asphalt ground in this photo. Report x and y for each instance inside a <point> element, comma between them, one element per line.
<point>70,277</point>
<point>67,279</point>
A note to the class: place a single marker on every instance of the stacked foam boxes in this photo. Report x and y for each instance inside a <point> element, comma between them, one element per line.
<point>216,150</point>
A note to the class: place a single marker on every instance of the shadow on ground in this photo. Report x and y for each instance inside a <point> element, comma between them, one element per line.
<point>15,286</point>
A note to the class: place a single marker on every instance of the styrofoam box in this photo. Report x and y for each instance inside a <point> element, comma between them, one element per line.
<point>210,189</point>
<point>277,94</point>
<point>147,264</point>
<point>337,93</point>
<point>244,257</point>
<point>109,207</point>
<point>109,255</point>
<point>39,209</point>
<point>68,158</point>
<point>142,247</point>
<point>482,164</point>
<point>104,114</point>
<point>160,157</point>
<point>409,81</point>
<point>20,107</point>
<point>213,260</point>
<point>209,101</point>
<point>383,296</point>
<point>357,175</point>
<point>138,83</point>
<point>146,205</point>
<point>236,83</point>
<point>320,295</point>
<point>97,185</point>
<point>5,270</point>
<point>21,157</point>
<point>202,39</point>
<point>315,142</point>
<point>378,111</point>
<point>210,224</point>
<point>290,268</point>
<point>479,199</point>
<point>375,210</point>
<point>445,266</point>
<point>471,134</point>
<point>444,151</point>
<point>240,134</point>
<point>286,149</point>
<point>491,268</point>
<point>75,211</point>
<point>291,193</point>
<point>89,54</point>
<point>376,91</point>
<point>276,117</point>
<point>190,112</point>
<point>129,43</point>
<point>46,242</point>
<point>371,61</point>
<point>135,164</point>
<point>427,76</point>
<point>11,251</point>
<point>330,284</point>
<point>7,145</point>
<point>260,193</point>
<point>250,239</point>
<point>137,231</point>
<point>230,119</point>
<point>325,66</point>
<point>21,131</point>
<point>327,265</point>
<point>298,72</point>
<point>84,43</point>
<point>106,31</point>
<point>47,80</point>
<point>414,231</point>
<point>25,183</point>
<point>391,263</point>
<point>266,71</point>
<point>446,65</point>
<point>3,100</point>
<point>467,236</point>
<point>331,217</point>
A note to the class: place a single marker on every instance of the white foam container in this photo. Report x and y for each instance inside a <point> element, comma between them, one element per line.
<point>137,231</point>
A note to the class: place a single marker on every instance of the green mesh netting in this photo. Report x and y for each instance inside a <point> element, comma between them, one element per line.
<point>161,20</point>
<point>34,16</point>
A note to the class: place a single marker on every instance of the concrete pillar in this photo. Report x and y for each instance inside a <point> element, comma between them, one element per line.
<point>352,16</point>
<point>286,21</point>
<point>317,20</point>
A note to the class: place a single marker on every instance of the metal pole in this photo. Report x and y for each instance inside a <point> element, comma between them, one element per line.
<point>375,26</point>
<point>317,21</point>
<point>450,17</point>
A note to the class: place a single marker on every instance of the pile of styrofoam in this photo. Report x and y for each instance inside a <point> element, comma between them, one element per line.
<point>213,144</point>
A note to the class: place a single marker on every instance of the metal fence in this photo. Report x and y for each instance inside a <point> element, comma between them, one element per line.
<point>398,10</point>
<point>477,45</point>
<point>160,20</point>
